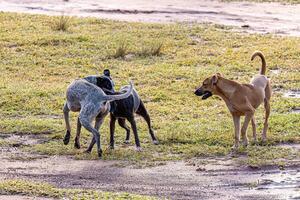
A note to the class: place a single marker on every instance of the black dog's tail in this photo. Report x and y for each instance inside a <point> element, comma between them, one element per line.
<point>119,96</point>
<point>263,61</point>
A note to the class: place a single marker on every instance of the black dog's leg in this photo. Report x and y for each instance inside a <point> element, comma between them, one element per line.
<point>122,123</point>
<point>143,112</point>
<point>112,131</point>
<point>77,138</point>
<point>136,137</point>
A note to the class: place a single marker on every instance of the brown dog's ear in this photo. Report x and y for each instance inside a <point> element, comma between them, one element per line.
<point>219,74</point>
<point>214,79</point>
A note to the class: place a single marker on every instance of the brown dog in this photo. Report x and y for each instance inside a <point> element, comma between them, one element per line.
<point>241,99</point>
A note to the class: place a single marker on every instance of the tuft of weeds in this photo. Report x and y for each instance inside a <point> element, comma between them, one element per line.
<point>153,49</point>
<point>62,23</point>
<point>121,50</point>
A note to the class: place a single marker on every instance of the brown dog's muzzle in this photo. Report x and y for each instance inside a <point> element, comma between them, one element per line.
<point>204,94</point>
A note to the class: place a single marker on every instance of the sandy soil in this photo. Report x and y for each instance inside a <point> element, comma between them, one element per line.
<point>210,178</point>
<point>253,17</point>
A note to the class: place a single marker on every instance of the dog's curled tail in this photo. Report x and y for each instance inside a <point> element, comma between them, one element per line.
<point>263,61</point>
<point>120,96</point>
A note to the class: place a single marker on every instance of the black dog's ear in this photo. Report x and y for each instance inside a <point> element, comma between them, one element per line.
<point>106,72</point>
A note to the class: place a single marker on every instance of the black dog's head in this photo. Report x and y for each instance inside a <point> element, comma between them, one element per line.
<point>105,82</point>
<point>208,87</point>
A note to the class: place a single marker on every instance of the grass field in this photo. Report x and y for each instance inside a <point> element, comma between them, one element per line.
<point>38,62</point>
<point>22,187</point>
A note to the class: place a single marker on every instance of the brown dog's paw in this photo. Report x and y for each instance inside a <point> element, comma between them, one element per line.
<point>245,143</point>
<point>235,148</point>
<point>254,142</point>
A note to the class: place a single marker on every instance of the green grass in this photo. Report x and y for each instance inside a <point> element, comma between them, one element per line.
<point>28,188</point>
<point>279,156</point>
<point>37,64</point>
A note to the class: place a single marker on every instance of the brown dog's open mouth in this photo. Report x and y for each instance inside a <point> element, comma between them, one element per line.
<point>206,95</point>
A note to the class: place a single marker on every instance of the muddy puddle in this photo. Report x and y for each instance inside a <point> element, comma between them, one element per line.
<point>295,110</point>
<point>275,71</point>
<point>244,16</point>
<point>292,94</point>
<point>286,183</point>
<point>282,180</point>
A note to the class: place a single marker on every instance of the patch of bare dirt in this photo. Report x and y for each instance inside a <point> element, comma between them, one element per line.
<point>209,178</point>
<point>245,16</point>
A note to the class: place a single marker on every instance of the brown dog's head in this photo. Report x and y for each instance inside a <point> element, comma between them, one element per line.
<point>208,87</point>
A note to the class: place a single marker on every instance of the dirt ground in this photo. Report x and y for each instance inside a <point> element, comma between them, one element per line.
<point>209,178</point>
<point>245,16</point>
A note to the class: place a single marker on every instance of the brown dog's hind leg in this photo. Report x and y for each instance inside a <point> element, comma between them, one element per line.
<point>268,93</point>
<point>143,112</point>
<point>254,129</point>
<point>267,114</point>
<point>236,121</point>
<point>122,123</point>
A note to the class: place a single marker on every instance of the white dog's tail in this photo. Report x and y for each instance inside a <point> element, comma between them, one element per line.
<point>119,96</point>
<point>263,61</point>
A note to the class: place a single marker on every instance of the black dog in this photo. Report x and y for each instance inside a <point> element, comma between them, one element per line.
<point>121,110</point>
<point>125,109</point>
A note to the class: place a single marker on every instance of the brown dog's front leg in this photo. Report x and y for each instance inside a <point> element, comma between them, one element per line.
<point>248,117</point>
<point>236,121</point>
